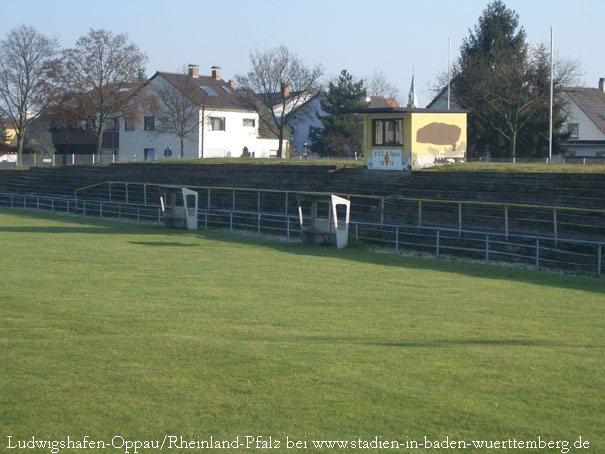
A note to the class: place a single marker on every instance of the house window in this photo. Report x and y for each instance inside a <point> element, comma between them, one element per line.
<point>388,132</point>
<point>149,154</point>
<point>128,124</point>
<point>216,123</point>
<point>149,123</point>
<point>574,130</point>
<point>249,122</point>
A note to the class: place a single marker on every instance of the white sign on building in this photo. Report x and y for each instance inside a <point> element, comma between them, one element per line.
<point>386,160</point>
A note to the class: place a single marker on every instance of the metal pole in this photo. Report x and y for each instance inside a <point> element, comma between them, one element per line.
<point>396,240</point>
<point>486,248</point>
<point>459,219</point>
<point>287,223</point>
<point>554,223</point>
<point>84,207</point>
<point>159,215</point>
<point>231,221</point>
<point>101,210</point>
<point>110,191</point>
<point>208,204</point>
<point>506,222</point>
<point>419,213</point>
<point>449,74</point>
<point>145,194</point>
<point>286,208</point>
<point>38,203</point>
<point>233,202</point>
<point>599,261</point>
<point>258,223</point>
<point>126,192</point>
<point>437,244</point>
<point>258,202</point>
<point>537,252</point>
<point>381,211</point>
<point>551,96</point>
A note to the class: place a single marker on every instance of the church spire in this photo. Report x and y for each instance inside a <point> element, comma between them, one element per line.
<point>412,99</point>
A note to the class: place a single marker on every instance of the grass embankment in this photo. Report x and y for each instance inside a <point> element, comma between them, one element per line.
<point>111,328</point>
<point>258,161</point>
<point>524,168</point>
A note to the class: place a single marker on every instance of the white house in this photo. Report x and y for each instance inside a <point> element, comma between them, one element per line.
<point>225,125</point>
<point>586,120</point>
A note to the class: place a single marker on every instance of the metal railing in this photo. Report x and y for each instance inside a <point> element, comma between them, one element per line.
<point>488,247</point>
<point>496,217</point>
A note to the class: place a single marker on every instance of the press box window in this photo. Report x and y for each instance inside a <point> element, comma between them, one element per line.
<point>216,123</point>
<point>249,122</point>
<point>388,132</point>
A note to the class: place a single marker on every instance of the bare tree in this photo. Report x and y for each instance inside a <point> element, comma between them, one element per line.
<point>378,85</point>
<point>176,113</point>
<point>278,86</point>
<point>25,63</point>
<point>514,94</point>
<point>97,78</point>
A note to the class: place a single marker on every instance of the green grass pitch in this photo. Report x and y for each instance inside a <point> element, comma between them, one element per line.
<point>114,329</point>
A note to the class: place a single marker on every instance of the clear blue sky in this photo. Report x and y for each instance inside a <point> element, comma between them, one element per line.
<point>389,36</point>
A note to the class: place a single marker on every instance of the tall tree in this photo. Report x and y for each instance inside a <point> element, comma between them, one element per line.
<point>341,132</point>
<point>25,64</point>
<point>496,40</point>
<point>278,86</point>
<point>505,84</point>
<point>96,77</point>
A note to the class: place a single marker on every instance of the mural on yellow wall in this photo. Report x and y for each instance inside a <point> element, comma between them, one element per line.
<point>439,134</point>
<point>438,137</point>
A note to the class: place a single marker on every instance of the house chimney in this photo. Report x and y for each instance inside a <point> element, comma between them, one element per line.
<point>216,72</point>
<point>602,84</point>
<point>231,84</point>
<point>285,89</point>
<point>194,71</point>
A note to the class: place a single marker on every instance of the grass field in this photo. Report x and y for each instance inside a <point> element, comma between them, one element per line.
<point>134,330</point>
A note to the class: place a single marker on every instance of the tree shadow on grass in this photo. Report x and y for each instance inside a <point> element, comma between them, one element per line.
<point>478,270</point>
<point>106,227</point>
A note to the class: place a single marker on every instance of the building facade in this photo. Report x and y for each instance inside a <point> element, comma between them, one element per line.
<point>216,120</point>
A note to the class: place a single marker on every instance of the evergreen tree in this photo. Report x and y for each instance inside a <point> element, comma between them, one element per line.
<point>504,83</point>
<point>341,132</point>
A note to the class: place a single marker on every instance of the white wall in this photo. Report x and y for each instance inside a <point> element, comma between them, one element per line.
<point>134,143</point>
<point>231,141</point>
